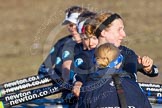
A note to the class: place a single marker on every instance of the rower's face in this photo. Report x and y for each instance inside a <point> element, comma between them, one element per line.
<point>115,33</point>
<point>90,43</point>
<point>73,31</point>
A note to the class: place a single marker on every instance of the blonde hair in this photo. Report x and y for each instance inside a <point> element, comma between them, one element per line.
<point>106,53</point>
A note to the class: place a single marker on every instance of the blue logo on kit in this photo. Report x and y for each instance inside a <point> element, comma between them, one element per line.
<point>65,54</point>
<point>78,62</point>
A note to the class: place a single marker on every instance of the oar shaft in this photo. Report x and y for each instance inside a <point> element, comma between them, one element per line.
<point>26,80</point>
<point>19,81</point>
<point>158,94</point>
<point>155,100</point>
<point>16,95</point>
<point>154,85</point>
<point>26,85</point>
<point>152,89</point>
<point>26,96</point>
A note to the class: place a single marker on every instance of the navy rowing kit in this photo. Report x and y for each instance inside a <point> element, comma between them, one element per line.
<point>131,65</point>
<point>102,96</point>
<point>101,91</point>
<point>78,55</point>
<point>66,48</point>
<point>54,59</point>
